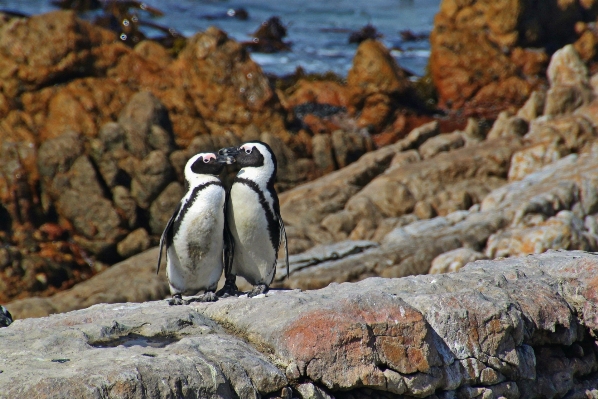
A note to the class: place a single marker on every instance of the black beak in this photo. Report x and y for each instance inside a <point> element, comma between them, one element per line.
<point>228,154</point>
<point>224,159</point>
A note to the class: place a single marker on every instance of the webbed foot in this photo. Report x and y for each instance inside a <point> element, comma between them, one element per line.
<point>257,290</point>
<point>177,299</point>
<point>229,289</point>
<point>208,296</point>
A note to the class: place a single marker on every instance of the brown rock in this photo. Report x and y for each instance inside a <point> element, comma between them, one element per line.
<point>163,207</point>
<point>485,51</point>
<point>454,260</point>
<point>151,175</point>
<point>135,242</point>
<point>374,71</point>
<point>145,122</point>
<point>322,153</point>
<point>533,107</point>
<point>563,231</point>
<point>508,125</point>
<point>133,280</point>
<point>441,143</point>
<point>316,91</point>
<point>28,64</point>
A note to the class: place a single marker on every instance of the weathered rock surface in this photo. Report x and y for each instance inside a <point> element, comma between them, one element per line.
<point>515,219</point>
<point>486,53</point>
<point>133,280</point>
<point>515,328</point>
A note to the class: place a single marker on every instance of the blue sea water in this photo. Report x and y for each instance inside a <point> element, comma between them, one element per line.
<point>318,30</point>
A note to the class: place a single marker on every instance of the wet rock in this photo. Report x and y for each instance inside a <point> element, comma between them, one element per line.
<point>135,242</point>
<point>365,33</point>
<point>454,260</point>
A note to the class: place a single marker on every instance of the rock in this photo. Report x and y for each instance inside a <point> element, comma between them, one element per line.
<point>67,42</point>
<point>569,83</point>
<point>563,231</point>
<point>146,125</point>
<point>163,207</point>
<point>322,153</point>
<point>454,260</point>
<point>416,335</point>
<point>441,143</point>
<point>508,211</point>
<point>508,125</point>
<point>151,176</point>
<point>484,53</point>
<point>551,138</point>
<point>533,107</point>
<point>133,280</point>
<point>137,241</point>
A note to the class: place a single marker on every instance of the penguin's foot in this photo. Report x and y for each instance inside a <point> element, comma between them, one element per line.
<point>257,290</point>
<point>208,296</point>
<point>177,299</point>
<point>229,289</point>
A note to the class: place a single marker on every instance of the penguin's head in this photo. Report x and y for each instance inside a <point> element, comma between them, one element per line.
<point>206,163</point>
<point>253,154</point>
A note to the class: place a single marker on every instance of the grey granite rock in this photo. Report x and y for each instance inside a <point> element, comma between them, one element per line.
<point>515,328</point>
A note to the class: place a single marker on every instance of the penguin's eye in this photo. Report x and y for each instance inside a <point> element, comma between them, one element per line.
<point>248,150</point>
<point>206,160</point>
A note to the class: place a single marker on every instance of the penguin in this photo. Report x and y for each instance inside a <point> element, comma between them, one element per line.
<point>194,235</point>
<point>255,229</point>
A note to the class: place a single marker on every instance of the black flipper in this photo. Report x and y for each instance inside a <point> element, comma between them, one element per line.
<point>167,234</point>
<point>283,233</point>
<point>230,286</point>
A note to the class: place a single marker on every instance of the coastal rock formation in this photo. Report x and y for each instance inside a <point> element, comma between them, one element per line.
<point>482,332</point>
<point>491,55</point>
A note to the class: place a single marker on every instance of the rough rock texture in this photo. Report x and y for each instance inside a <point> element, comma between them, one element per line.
<point>515,328</point>
<point>488,53</point>
<point>133,280</point>
<point>515,219</point>
<point>398,205</point>
<point>94,136</point>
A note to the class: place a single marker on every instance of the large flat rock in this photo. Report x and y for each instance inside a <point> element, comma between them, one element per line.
<point>515,328</point>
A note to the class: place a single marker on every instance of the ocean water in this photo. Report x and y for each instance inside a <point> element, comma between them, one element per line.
<point>318,30</point>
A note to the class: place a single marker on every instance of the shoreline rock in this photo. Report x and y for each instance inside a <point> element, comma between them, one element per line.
<point>481,331</point>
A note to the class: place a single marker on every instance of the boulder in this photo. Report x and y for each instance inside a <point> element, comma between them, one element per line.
<point>133,280</point>
<point>485,53</point>
<point>481,331</point>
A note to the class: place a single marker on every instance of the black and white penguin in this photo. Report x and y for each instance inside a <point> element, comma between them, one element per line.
<point>253,218</point>
<point>194,235</point>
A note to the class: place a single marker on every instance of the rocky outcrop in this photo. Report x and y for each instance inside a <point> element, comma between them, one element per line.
<point>447,175</point>
<point>133,280</point>
<point>490,55</point>
<point>484,331</point>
